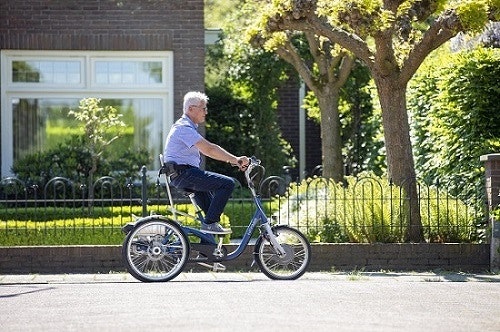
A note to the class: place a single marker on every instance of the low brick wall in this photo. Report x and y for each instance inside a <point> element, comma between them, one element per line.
<point>325,257</point>
<point>402,257</point>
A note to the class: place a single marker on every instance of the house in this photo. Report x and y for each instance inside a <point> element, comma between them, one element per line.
<point>140,55</point>
<point>143,55</point>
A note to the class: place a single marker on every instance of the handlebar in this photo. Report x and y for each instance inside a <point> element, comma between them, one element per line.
<point>253,180</point>
<point>253,161</point>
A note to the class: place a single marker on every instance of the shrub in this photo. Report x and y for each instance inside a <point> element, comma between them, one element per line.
<point>100,226</point>
<point>370,209</point>
<point>453,101</point>
<point>72,161</point>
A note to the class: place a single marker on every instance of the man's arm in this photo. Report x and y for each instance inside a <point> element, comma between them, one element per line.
<point>216,152</point>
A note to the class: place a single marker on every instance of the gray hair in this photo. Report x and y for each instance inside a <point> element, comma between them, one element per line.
<point>193,98</point>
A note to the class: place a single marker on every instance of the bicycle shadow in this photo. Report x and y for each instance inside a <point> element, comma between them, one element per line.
<point>34,289</point>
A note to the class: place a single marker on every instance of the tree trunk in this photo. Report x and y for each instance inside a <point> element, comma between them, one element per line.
<point>331,142</point>
<point>401,167</point>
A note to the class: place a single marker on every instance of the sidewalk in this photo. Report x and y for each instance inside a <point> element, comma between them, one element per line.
<point>252,276</point>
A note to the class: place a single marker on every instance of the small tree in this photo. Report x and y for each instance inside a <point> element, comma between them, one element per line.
<point>361,131</point>
<point>323,66</point>
<point>101,126</point>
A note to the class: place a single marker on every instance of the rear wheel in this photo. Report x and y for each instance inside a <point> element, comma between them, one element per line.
<point>155,250</point>
<point>293,264</point>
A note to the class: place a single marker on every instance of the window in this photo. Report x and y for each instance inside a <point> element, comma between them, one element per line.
<point>55,72</point>
<point>43,123</point>
<point>128,72</point>
<point>39,91</point>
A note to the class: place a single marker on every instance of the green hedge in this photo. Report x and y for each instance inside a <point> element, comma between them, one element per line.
<point>66,226</point>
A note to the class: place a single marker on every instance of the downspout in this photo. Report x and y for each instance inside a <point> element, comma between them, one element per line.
<point>302,131</point>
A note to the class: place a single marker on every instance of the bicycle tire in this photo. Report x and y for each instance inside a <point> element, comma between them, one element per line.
<point>290,266</point>
<point>155,250</point>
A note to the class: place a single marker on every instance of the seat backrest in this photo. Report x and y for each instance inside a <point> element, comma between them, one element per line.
<point>167,185</point>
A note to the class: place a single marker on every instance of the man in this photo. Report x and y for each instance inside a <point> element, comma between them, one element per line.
<point>183,150</point>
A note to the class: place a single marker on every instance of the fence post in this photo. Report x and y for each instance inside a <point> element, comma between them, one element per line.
<point>492,177</point>
<point>144,191</point>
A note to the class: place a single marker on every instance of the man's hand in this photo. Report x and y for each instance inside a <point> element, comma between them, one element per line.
<point>242,163</point>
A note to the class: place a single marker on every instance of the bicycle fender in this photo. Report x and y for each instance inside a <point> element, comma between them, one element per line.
<point>131,225</point>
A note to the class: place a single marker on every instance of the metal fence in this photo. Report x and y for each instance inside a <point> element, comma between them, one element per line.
<point>360,210</point>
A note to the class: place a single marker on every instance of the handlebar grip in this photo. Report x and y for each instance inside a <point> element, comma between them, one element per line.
<point>254,160</point>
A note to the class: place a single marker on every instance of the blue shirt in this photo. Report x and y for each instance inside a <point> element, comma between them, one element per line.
<point>179,147</point>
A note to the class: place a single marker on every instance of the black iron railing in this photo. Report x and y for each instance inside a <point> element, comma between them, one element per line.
<point>358,210</point>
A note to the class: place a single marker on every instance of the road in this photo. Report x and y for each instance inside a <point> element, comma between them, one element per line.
<point>251,302</point>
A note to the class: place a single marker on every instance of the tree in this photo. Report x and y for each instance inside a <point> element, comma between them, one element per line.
<point>256,73</point>
<point>100,126</point>
<point>360,123</point>
<point>324,68</point>
<point>392,37</point>
<point>242,83</point>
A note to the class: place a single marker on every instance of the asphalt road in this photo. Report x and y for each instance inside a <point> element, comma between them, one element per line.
<point>251,302</point>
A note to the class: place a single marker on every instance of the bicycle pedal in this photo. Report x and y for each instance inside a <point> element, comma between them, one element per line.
<point>218,267</point>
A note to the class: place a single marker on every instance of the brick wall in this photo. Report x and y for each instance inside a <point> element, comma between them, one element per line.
<point>174,25</point>
<point>492,177</point>
<point>325,257</point>
<point>492,186</point>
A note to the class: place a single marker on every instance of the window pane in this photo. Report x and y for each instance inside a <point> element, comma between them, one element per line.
<point>128,72</point>
<point>42,124</point>
<point>49,72</point>
<point>144,119</point>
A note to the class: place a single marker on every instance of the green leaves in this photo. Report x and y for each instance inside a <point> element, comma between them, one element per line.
<point>473,14</point>
<point>363,17</point>
<point>455,103</point>
<point>98,122</point>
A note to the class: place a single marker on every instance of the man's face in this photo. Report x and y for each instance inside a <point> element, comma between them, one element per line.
<point>197,113</point>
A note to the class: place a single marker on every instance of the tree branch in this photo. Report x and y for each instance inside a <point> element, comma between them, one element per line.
<point>290,54</point>
<point>302,17</point>
<point>346,65</point>
<point>442,30</point>
<point>345,39</point>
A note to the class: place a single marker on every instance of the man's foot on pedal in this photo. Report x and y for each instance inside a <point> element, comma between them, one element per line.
<point>214,228</point>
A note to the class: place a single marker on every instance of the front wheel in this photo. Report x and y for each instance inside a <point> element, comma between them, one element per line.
<point>155,250</point>
<point>293,264</point>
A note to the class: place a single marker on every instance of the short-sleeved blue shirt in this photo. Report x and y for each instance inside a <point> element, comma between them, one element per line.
<point>179,147</point>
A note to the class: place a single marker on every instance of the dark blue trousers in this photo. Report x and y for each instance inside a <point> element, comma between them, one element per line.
<point>212,190</point>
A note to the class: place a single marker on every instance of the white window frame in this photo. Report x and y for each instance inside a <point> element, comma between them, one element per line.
<point>36,85</point>
<point>93,80</point>
<point>86,88</point>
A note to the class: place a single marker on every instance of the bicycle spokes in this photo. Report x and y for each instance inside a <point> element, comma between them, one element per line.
<point>290,265</point>
<point>156,251</point>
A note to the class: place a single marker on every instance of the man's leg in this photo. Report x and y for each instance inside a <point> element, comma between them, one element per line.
<point>218,185</point>
<point>203,199</point>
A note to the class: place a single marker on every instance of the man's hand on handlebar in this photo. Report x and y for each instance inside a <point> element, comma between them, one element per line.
<point>243,163</point>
